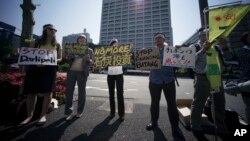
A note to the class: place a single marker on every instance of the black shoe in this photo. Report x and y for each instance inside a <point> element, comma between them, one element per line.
<point>177,134</point>
<point>199,135</point>
<point>151,126</point>
<point>111,116</point>
<point>224,136</point>
<point>121,119</point>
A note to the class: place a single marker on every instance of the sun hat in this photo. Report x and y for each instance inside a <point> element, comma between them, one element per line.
<point>162,35</point>
<point>49,26</point>
<point>112,41</point>
<point>81,35</point>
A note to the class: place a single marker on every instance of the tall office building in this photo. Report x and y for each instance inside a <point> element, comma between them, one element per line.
<point>135,21</point>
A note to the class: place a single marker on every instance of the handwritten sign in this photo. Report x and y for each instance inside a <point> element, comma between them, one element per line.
<point>113,56</point>
<point>181,57</point>
<point>37,56</point>
<point>75,49</point>
<point>148,59</point>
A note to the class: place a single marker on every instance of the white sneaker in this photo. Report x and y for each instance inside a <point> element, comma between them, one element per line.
<point>79,115</point>
<point>42,120</point>
<point>69,117</point>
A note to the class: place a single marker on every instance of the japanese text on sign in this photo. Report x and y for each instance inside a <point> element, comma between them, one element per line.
<point>113,56</point>
<point>75,49</point>
<point>181,57</point>
<point>37,56</point>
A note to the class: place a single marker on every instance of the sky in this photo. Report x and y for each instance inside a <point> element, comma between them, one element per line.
<point>72,16</point>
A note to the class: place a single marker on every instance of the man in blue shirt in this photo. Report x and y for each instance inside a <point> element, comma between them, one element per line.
<point>163,79</point>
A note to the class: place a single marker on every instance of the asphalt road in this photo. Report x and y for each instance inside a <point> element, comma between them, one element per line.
<point>94,124</point>
<point>136,88</point>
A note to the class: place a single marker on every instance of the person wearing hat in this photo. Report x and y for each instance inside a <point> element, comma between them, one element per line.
<point>243,84</point>
<point>115,78</point>
<point>40,79</point>
<point>78,72</point>
<point>163,80</point>
<point>201,84</point>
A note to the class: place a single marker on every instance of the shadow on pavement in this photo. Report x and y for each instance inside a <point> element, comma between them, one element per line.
<point>159,135</point>
<point>52,132</point>
<point>102,132</point>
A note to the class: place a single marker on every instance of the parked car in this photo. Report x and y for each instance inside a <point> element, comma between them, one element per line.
<point>103,70</point>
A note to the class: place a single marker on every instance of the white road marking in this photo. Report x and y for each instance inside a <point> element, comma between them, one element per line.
<point>101,89</point>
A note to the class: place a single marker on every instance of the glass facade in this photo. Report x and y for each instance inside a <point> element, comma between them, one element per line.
<point>135,21</point>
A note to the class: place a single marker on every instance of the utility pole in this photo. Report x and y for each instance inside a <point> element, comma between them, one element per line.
<point>28,21</point>
<point>202,5</point>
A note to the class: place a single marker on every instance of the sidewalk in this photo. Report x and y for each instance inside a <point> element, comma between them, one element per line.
<point>95,126</point>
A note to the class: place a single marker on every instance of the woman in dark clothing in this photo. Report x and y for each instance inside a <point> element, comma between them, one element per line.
<point>40,79</point>
<point>116,78</point>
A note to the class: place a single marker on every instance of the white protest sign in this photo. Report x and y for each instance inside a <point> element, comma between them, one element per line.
<point>37,56</point>
<point>181,57</point>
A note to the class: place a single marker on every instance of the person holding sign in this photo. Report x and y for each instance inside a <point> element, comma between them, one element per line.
<point>115,77</point>
<point>40,79</point>
<point>78,72</point>
<point>163,79</point>
<point>201,84</point>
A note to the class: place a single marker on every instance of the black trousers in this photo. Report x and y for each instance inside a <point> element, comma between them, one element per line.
<point>118,81</point>
<point>170,95</point>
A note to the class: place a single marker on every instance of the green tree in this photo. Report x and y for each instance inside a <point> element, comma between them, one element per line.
<point>5,47</point>
<point>28,21</point>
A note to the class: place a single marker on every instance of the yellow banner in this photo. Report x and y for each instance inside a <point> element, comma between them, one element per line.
<point>221,22</point>
<point>75,49</point>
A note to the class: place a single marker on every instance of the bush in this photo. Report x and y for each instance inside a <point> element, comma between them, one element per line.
<point>60,90</point>
<point>11,82</point>
<point>63,68</point>
<point>12,77</point>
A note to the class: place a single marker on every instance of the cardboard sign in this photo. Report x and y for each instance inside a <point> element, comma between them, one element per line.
<point>181,57</point>
<point>75,49</point>
<point>148,59</point>
<point>113,56</point>
<point>37,56</point>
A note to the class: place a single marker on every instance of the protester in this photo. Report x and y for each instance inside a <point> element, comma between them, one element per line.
<point>163,80</point>
<point>234,89</point>
<point>115,78</point>
<point>201,85</point>
<point>243,83</point>
<point>218,98</point>
<point>40,79</point>
<point>224,49</point>
<point>78,72</point>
